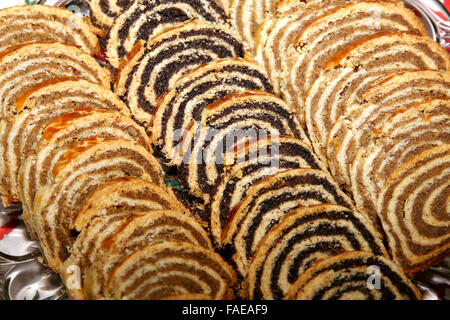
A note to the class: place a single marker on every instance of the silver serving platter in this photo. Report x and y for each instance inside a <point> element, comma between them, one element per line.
<point>22,275</point>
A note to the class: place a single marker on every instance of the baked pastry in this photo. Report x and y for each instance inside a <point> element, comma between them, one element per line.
<point>286,5</point>
<point>406,134</point>
<point>83,168</point>
<point>59,135</point>
<point>356,128</point>
<point>225,5</point>
<point>108,239</point>
<point>150,273</point>
<point>21,24</point>
<point>146,74</point>
<point>125,196</point>
<point>66,92</point>
<point>413,208</point>
<point>353,70</point>
<point>341,28</point>
<point>20,133</point>
<point>144,19</point>
<point>235,118</point>
<point>275,36</point>
<point>346,277</point>
<point>246,15</point>
<point>257,160</point>
<point>185,102</point>
<point>28,65</point>
<point>302,238</point>
<point>270,199</point>
<point>103,13</point>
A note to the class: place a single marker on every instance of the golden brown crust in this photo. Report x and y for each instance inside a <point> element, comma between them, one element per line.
<point>67,27</point>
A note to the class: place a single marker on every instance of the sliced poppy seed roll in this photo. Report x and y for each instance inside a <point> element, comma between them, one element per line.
<point>60,135</point>
<point>231,120</point>
<point>146,74</point>
<point>37,23</point>
<point>103,13</point>
<point>82,169</point>
<point>145,19</point>
<point>172,268</point>
<point>303,238</point>
<point>21,133</point>
<point>270,199</point>
<point>423,126</point>
<point>124,195</point>
<point>108,239</point>
<point>413,207</point>
<point>357,128</point>
<point>195,90</point>
<point>341,28</point>
<point>353,70</point>
<point>31,64</point>
<point>257,160</point>
<point>355,275</point>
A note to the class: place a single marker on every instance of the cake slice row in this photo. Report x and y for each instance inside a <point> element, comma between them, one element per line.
<point>142,20</point>
<point>92,192</point>
<point>374,103</point>
<point>39,23</point>
<point>354,70</point>
<point>21,133</point>
<point>134,246</point>
<point>28,65</point>
<point>151,69</point>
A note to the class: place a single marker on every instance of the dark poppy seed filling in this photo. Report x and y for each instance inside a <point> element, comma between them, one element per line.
<point>271,108</point>
<point>346,276</point>
<point>76,174</point>
<point>143,20</point>
<point>169,56</point>
<point>297,198</point>
<point>271,156</point>
<point>302,237</point>
<point>205,183</point>
<point>169,16</point>
<point>197,89</point>
<point>103,13</point>
<point>105,6</point>
<point>225,123</point>
<point>270,200</point>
